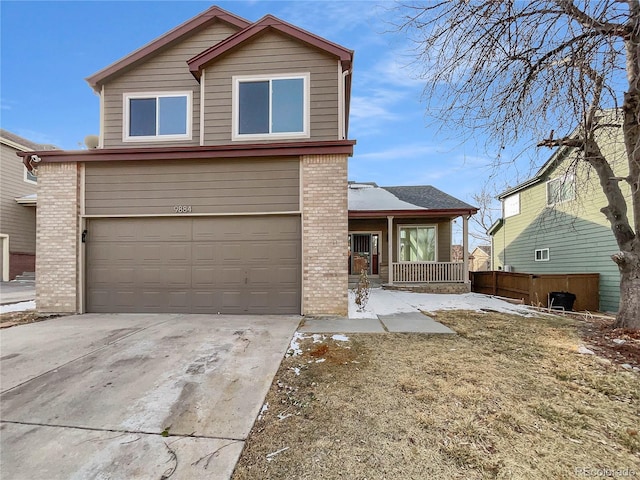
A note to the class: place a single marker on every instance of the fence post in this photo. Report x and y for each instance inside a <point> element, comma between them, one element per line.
<point>494,282</point>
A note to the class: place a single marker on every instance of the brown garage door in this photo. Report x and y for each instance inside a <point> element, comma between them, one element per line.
<point>232,265</point>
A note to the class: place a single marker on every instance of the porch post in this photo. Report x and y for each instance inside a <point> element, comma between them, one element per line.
<point>465,247</point>
<point>390,249</point>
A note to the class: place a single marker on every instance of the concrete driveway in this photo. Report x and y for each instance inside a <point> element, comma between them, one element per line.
<point>134,396</point>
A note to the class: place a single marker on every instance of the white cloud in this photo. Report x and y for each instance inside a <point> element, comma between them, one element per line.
<point>401,152</point>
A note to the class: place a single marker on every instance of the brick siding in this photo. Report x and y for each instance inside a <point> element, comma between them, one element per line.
<point>324,233</point>
<point>20,263</point>
<point>57,238</point>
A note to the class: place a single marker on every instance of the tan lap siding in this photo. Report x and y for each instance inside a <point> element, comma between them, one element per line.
<point>167,71</point>
<point>272,54</point>
<point>17,221</point>
<point>207,186</point>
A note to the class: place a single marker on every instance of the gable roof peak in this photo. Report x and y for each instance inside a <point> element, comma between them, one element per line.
<point>197,63</point>
<point>201,20</point>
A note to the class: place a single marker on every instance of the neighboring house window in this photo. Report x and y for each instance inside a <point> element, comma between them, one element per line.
<point>29,177</point>
<point>511,205</point>
<point>161,116</point>
<point>560,189</point>
<point>542,255</point>
<point>417,243</point>
<point>271,107</point>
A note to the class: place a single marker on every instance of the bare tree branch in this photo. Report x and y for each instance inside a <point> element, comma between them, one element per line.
<point>513,70</point>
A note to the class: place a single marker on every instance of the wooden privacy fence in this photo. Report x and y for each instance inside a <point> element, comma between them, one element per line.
<point>533,288</point>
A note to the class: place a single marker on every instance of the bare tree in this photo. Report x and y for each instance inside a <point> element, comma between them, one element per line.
<point>488,212</point>
<point>543,69</point>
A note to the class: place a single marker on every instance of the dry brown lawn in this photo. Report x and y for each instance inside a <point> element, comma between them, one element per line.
<point>508,397</point>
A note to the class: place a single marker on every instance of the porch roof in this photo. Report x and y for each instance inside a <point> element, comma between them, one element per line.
<point>367,200</point>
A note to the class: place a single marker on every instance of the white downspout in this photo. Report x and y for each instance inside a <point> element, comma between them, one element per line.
<point>390,247</point>
<point>342,100</point>
<point>101,137</point>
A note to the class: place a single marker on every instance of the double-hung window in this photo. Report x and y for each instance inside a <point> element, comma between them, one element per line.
<point>417,243</point>
<point>161,116</point>
<point>561,189</point>
<point>271,107</point>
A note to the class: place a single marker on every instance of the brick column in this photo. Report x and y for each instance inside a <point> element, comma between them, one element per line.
<point>324,234</point>
<point>57,238</point>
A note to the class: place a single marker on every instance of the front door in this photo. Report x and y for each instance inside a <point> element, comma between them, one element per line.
<point>363,253</point>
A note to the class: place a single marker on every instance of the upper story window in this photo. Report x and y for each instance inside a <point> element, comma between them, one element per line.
<point>561,189</point>
<point>418,243</point>
<point>511,205</point>
<point>157,116</point>
<point>29,177</point>
<point>276,106</point>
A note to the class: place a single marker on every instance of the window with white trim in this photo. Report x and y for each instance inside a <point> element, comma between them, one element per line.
<point>542,255</point>
<point>274,106</point>
<point>30,177</point>
<point>157,116</point>
<point>511,205</point>
<point>560,189</point>
<point>417,243</point>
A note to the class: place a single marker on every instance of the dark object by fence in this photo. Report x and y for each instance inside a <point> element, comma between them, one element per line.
<point>534,289</point>
<point>561,300</point>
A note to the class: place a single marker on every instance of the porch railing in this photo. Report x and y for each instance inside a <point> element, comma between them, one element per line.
<point>428,272</point>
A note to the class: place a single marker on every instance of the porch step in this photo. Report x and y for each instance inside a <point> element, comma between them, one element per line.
<point>26,277</point>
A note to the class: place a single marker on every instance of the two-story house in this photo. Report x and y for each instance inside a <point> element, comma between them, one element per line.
<point>218,184</point>
<point>17,207</point>
<point>552,222</point>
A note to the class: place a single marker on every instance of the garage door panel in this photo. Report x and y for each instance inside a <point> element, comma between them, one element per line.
<point>219,264</point>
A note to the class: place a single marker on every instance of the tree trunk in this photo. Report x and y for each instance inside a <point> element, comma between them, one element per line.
<point>629,312</point>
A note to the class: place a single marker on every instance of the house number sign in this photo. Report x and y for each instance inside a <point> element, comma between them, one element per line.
<point>182,208</point>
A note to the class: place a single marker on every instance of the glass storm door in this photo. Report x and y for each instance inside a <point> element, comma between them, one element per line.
<point>363,253</point>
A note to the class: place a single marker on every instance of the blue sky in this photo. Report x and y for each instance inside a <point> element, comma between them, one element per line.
<point>48,48</point>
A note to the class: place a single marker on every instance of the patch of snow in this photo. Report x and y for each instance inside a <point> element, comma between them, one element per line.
<point>340,338</point>
<point>294,346</point>
<point>318,338</point>
<point>584,350</point>
<point>264,408</point>
<point>353,308</point>
<point>368,197</point>
<point>282,416</point>
<point>389,302</point>
<point>296,370</point>
<point>618,341</point>
<point>321,360</point>
<point>18,307</point>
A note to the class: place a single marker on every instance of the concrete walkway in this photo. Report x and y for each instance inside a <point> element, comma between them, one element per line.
<point>404,322</point>
<point>14,292</point>
<point>135,396</point>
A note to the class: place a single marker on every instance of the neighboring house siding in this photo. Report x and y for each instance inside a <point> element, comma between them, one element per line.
<point>165,72</point>
<point>17,221</point>
<point>577,234</point>
<point>480,261</point>
<point>271,53</point>
<point>207,186</point>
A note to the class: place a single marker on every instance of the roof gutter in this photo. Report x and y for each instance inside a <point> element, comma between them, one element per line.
<point>331,147</point>
<point>426,212</point>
